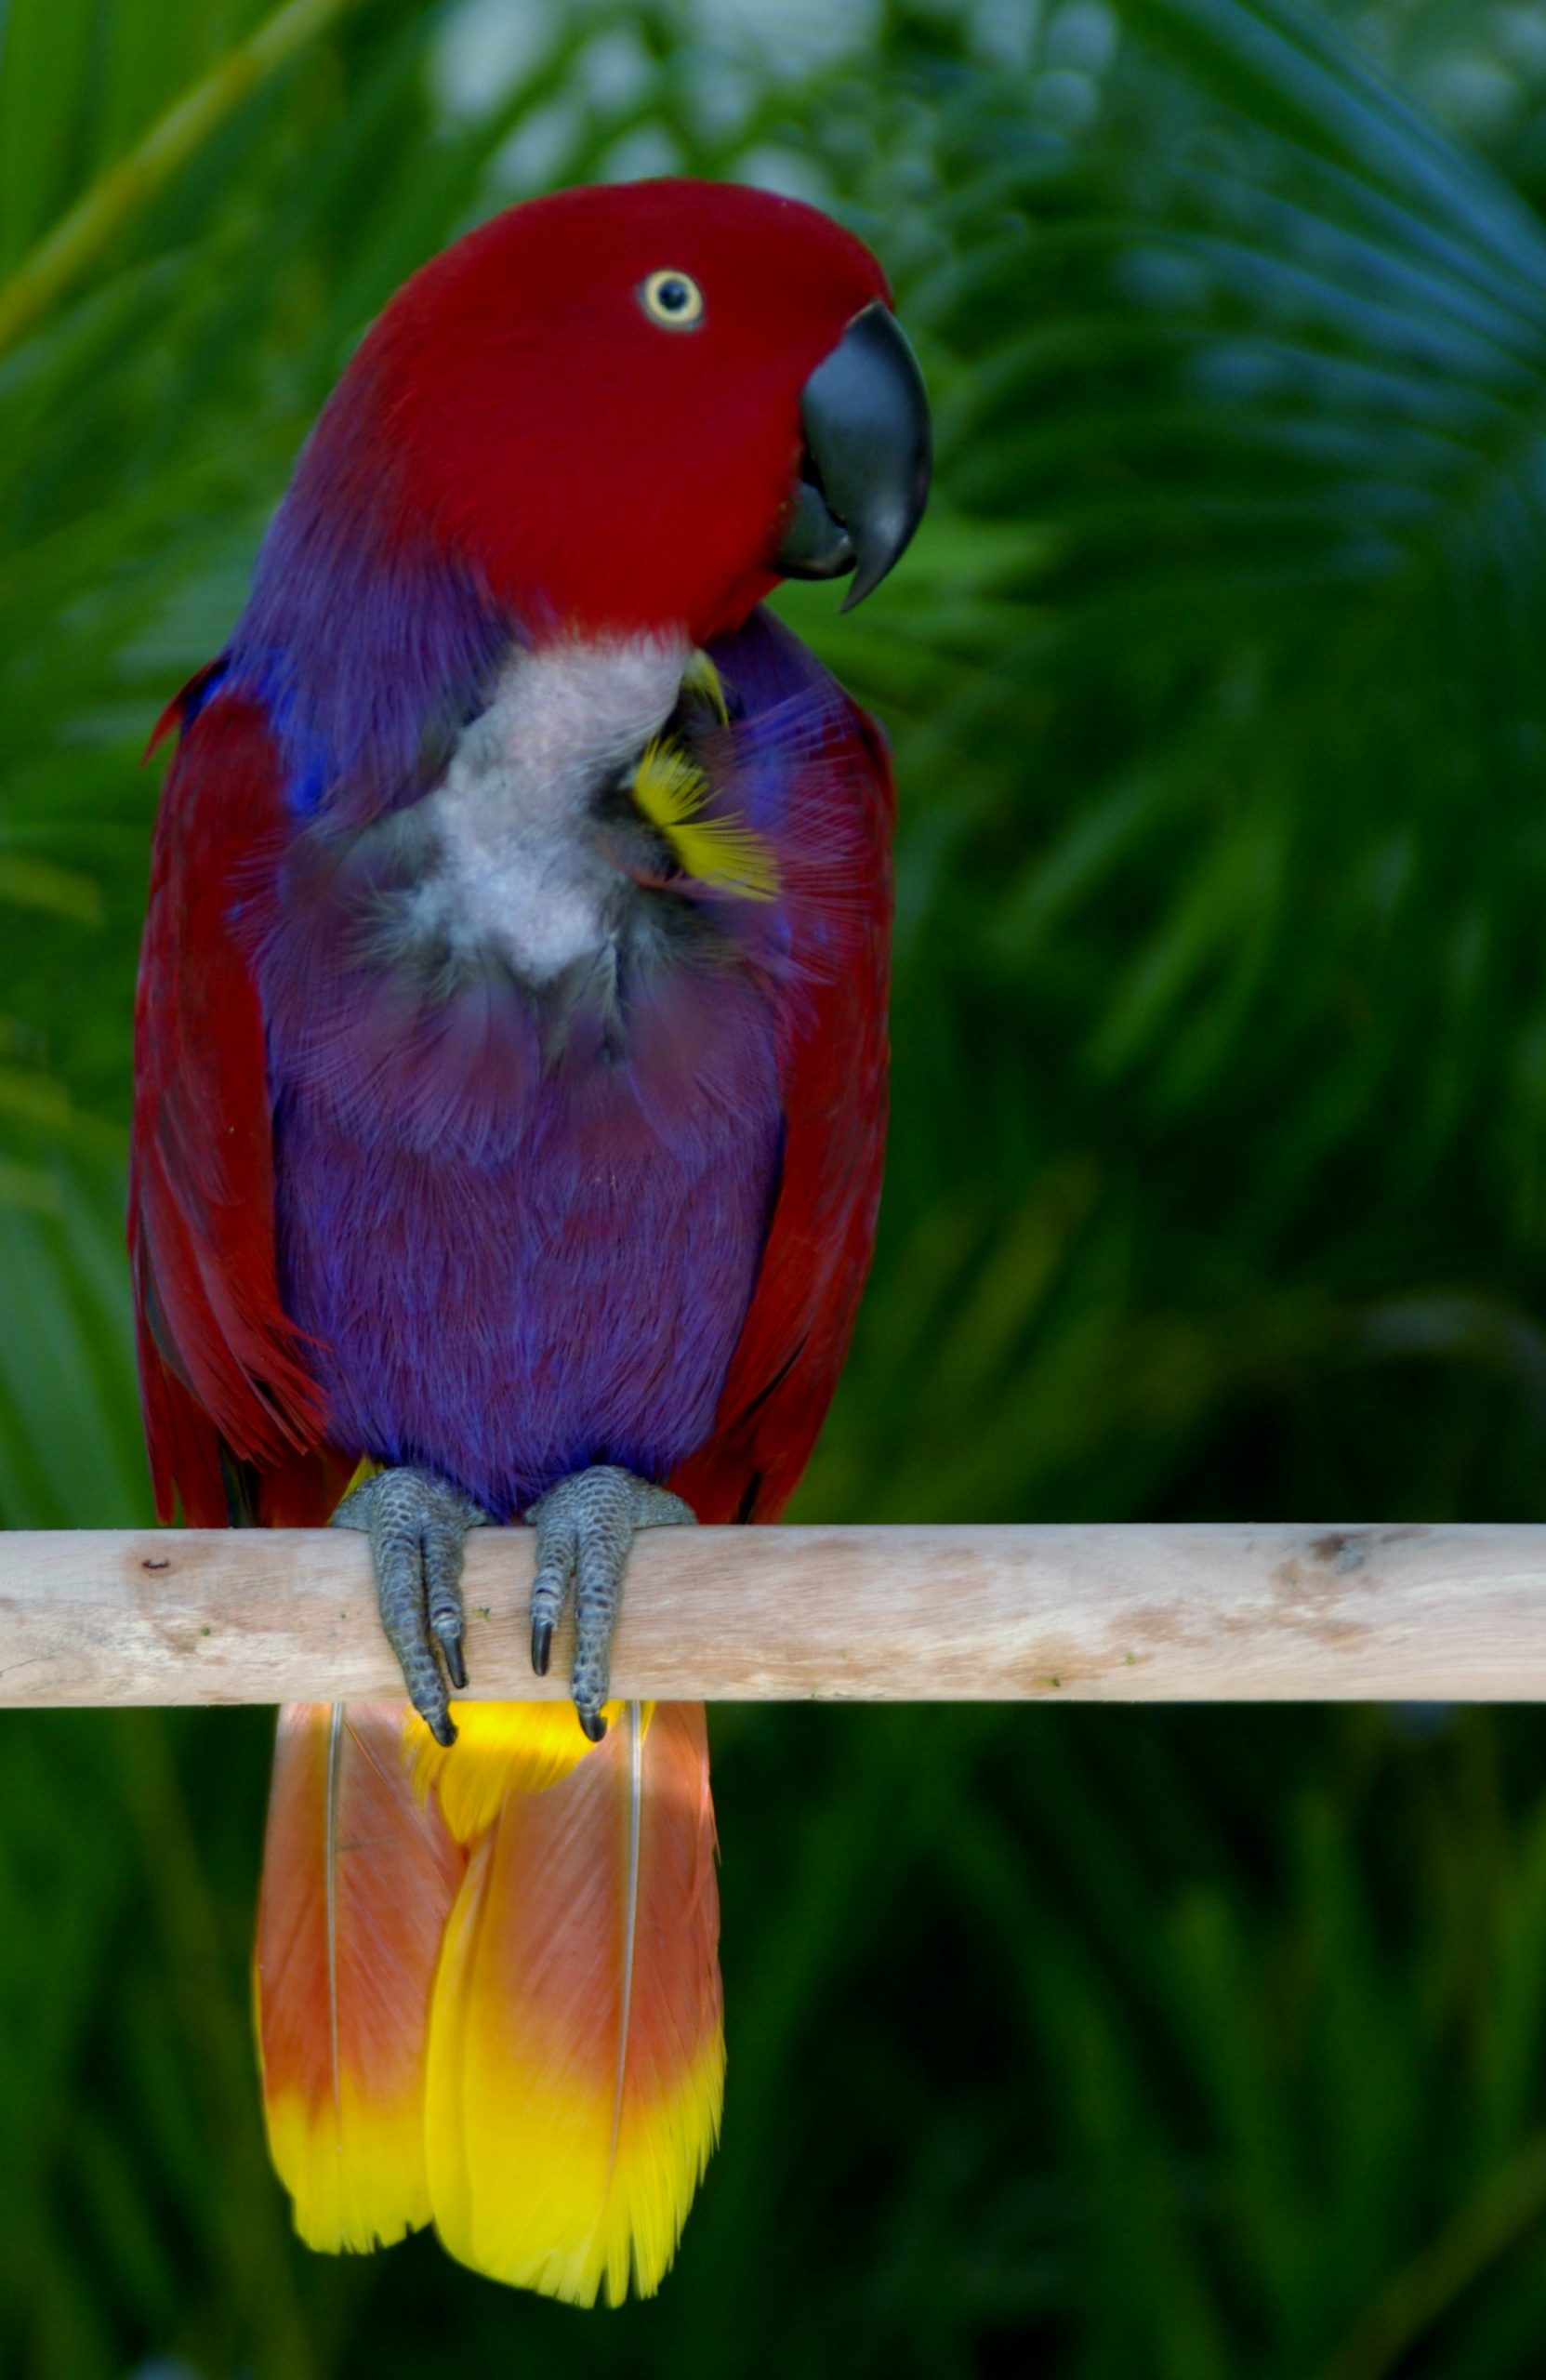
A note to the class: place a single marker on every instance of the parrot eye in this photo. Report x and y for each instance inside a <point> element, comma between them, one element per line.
<point>672,298</point>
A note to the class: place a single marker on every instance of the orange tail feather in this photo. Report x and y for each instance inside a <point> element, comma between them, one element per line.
<point>359,1877</point>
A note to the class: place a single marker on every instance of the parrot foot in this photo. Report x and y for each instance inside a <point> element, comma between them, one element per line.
<point>417,1525</point>
<point>585,1527</point>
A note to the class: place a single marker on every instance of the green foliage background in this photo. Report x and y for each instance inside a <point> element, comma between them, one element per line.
<point>1151,2042</point>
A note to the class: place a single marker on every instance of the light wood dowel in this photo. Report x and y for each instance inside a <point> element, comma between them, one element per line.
<point>1166,1614</point>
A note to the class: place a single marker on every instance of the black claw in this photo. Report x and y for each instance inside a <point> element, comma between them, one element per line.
<point>441,1728</point>
<point>594,1724</point>
<point>542,1645</point>
<point>455,1668</point>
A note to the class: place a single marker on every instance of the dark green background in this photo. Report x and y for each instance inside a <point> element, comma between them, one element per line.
<point>1159,2042</point>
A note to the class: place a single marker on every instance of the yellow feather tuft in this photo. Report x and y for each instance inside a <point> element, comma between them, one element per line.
<point>671,790</point>
<point>501,1748</point>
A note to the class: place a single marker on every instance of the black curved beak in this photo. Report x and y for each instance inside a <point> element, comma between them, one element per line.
<point>864,475</point>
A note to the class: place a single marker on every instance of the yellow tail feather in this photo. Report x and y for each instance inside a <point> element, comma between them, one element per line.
<point>576,2053</point>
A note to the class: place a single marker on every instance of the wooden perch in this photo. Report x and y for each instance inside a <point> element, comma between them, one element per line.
<point>1180,1613</point>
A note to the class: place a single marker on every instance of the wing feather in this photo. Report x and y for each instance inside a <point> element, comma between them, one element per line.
<point>834,1054</point>
<point>220,1363</point>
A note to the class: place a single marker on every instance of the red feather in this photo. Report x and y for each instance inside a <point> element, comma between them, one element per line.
<point>833,1065</point>
<point>219,1359</point>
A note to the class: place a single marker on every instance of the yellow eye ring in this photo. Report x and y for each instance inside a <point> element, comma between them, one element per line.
<point>671,298</point>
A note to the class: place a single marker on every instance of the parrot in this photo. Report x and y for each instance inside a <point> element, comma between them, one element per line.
<point>510,1087</point>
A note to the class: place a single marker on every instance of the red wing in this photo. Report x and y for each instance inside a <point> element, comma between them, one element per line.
<point>795,1337</point>
<point>219,1363</point>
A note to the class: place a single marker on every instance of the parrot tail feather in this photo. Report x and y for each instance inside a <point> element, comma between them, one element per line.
<point>576,2044</point>
<point>360,1875</point>
<point>487,1986</point>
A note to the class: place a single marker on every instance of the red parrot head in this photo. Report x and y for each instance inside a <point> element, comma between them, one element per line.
<point>638,406</point>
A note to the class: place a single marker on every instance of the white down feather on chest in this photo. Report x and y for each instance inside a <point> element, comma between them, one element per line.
<point>516,862</point>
